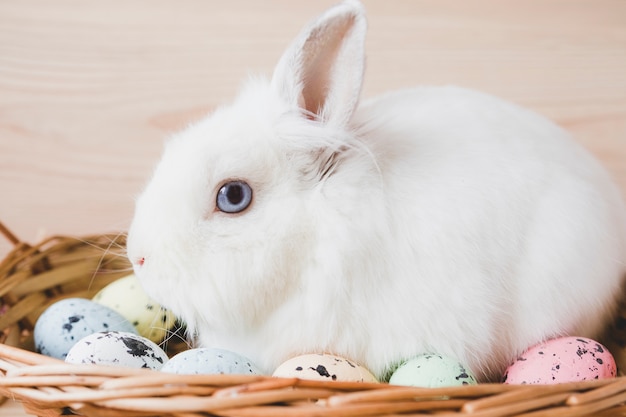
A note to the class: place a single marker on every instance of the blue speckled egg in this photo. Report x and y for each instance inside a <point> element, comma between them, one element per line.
<point>67,321</point>
<point>117,349</point>
<point>210,361</point>
<point>432,371</point>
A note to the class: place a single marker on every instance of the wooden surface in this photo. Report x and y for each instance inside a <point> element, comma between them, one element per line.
<point>89,90</point>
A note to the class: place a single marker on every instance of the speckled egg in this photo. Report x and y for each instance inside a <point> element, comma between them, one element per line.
<point>117,349</point>
<point>67,321</point>
<point>127,297</point>
<point>210,361</point>
<point>324,367</point>
<point>432,371</point>
<point>565,359</point>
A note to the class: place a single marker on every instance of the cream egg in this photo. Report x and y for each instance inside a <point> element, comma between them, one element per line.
<point>324,367</point>
<point>127,297</point>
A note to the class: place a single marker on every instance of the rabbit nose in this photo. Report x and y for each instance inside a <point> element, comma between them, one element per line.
<point>138,264</point>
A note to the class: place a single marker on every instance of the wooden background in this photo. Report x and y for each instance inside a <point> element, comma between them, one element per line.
<point>89,90</point>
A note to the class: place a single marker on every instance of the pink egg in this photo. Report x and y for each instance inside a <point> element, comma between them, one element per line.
<point>566,359</point>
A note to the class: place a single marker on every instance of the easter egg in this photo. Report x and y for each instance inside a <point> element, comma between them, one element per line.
<point>67,321</point>
<point>117,349</point>
<point>210,361</point>
<point>324,367</point>
<point>127,297</point>
<point>432,371</point>
<point>565,359</point>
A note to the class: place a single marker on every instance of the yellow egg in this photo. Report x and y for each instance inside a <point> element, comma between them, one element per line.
<point>324,367</point>
<point>127,297</point>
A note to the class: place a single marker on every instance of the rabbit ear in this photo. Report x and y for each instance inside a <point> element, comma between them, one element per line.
<point>322,70</point>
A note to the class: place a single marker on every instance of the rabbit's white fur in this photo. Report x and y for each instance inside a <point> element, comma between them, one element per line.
<point>431,220</point>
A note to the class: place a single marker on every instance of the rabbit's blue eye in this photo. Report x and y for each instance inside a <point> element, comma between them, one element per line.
<point>234,197</point>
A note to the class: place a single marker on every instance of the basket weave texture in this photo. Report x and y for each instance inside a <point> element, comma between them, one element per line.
<point>33,277</point>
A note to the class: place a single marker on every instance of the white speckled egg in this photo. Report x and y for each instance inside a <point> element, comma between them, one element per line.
<point>432,371</point>
<point>210,361</point>
<point>67,321</point>
<point>117,349</point>
<point>127,297</point>
<point>564,359</point>
<point>324,367</point>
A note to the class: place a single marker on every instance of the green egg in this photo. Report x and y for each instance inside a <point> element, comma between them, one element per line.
<point>432,371</point>
<point>127,297</point>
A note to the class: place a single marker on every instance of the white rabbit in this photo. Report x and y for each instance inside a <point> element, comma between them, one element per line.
<point>431,220</point>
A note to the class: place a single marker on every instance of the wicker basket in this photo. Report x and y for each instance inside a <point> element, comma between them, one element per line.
<point>32,277</point>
